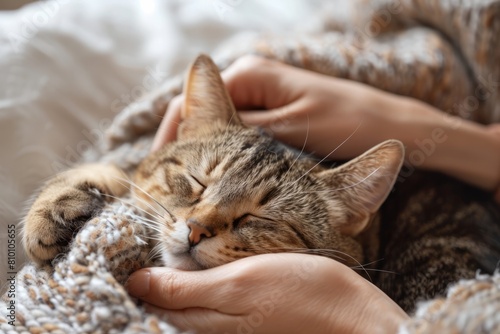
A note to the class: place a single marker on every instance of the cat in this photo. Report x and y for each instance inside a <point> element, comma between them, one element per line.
<point>435,231</point>
<point>229,190</point>
<point>224,191</point>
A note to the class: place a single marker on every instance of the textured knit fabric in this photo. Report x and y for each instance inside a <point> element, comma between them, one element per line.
<point>445,53</point>
<point>83,292</point>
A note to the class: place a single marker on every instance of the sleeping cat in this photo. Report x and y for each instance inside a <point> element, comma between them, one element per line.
<point>223,191</point>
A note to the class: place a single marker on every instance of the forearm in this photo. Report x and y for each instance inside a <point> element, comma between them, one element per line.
<point>460,148</point>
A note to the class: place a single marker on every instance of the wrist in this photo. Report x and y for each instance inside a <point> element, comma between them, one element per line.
<point>359,306</point>
<point>380,315</point>
<point>457,147</point>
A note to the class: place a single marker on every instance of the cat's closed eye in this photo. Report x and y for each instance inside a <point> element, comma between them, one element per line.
<point>248,219</point>
<point>241,220</point>
<point>198,188</point>
<point>262,198</point>
<point>199,182</point>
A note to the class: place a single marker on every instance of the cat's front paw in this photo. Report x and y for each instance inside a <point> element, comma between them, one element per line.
<point>57,214</point>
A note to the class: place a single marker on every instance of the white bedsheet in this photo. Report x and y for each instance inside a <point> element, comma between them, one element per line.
<point>67,67</point>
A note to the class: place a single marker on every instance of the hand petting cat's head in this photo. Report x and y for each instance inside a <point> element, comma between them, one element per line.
<point>224,191</point>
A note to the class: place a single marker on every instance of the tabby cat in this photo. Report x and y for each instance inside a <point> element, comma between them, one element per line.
<point>223,191</point>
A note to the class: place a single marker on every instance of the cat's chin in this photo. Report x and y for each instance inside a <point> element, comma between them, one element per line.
<point>182,262</point>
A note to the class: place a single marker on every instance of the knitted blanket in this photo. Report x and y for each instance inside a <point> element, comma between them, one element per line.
<point>442,52</point>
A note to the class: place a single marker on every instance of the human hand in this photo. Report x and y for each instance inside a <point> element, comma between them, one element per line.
<point>328,116</point>
<point>341,119</point>
<point>272,293</point>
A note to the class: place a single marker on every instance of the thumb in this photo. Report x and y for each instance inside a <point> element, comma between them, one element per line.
<point>175,289</point>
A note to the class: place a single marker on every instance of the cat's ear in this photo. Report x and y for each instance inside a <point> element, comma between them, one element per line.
<point>207,104</point>
<point>364,183</point>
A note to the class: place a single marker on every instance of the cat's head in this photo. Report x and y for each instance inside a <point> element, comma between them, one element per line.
<point>232,191</point>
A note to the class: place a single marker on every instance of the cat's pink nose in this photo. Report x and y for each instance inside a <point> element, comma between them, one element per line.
<point>197,232</point>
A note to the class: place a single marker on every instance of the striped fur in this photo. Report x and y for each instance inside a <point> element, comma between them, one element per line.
<point>248,193</point>
<point>224,191</point>
<point>251,194</point>
<point>254,195</point>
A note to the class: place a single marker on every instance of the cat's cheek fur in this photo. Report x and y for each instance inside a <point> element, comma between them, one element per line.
<point>182,261</point>
<point>214,252</point>
<point>175,248</point>
<point>177,253</point>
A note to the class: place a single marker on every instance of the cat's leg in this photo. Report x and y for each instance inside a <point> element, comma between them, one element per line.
<point>65,203</point>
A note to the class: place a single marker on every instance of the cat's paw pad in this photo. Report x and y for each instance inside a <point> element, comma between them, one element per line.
<point>56,216</point>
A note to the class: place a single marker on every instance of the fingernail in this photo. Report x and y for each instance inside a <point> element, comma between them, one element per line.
<point>138,283</point>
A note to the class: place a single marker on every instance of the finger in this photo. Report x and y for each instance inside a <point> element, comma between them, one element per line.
<point>254,82</point>
<point>271,118</point>
<point>174,289</point>
<point>167,131</point>
<point>287,124</point>
<point>199,320</point>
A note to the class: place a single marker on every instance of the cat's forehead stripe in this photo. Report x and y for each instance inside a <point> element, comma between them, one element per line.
<point>269,195</point>
<point>229,162</point>
<point>168,159</point>
<point>171,160</point>
<point>211,163</point>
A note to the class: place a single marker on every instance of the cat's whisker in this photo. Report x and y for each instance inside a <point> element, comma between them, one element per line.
<point>331,152</point>
<point>300,250</point>
<point>133,184</point>
<point>155,210</point>
<point>150,237</point>
<point>155,248</point>
<point>154,238</point>
<point>155,251</point>
<point>325,252</point>
<point>157,231</point>
<point>322,251</point>
<point>149,225</point>
<point>359,182</point>
<point>346,187</point>
<point>301,151</point>
<point>128,203</point>
<point>143,201</point>
<point>154,214</point>
<point>147,221</point>
<point>163,249</point>
<point>375,270</point>
<point>373,262</point>
<point>150,221</point>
